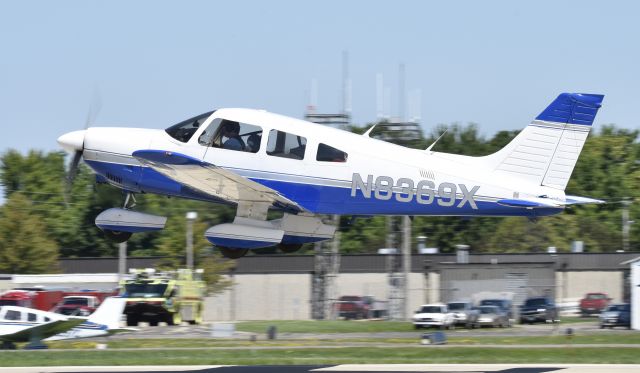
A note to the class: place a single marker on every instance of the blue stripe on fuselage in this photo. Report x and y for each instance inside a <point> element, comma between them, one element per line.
<point>316,198</point>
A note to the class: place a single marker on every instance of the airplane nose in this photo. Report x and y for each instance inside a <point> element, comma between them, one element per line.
<point>72,141</point>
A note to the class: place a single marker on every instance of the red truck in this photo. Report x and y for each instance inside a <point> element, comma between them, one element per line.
<point>36,298</point>
<point>593,303</point>
<point>360,307</point>
<point>81,303</point>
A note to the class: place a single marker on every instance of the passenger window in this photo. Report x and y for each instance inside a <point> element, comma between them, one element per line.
<point>232,135</point>
<point>31,316</point>
<point>286,145</point>
<point>328,153</point>
<point>46,319</point>
<point>12,315</point>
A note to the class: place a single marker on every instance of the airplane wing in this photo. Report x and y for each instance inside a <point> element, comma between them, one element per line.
<point>43,331</point>
<point>212,180</point>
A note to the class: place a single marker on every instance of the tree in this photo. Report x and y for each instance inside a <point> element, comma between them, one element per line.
<point>25,245</point>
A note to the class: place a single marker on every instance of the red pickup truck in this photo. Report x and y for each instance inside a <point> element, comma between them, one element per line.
<point>593,303</point>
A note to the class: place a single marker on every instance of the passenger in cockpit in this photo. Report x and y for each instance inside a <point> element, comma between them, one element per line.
<point>231,130</point>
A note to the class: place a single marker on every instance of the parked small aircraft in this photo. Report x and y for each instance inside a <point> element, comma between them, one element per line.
<point>259,161</point>
<point>21,324</point>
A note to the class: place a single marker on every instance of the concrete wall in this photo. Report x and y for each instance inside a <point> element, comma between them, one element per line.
<point>262,297</point>
<point>573,285</point>
<point>288,296</point>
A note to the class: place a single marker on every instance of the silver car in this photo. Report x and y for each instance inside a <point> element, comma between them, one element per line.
<point>493,316</point>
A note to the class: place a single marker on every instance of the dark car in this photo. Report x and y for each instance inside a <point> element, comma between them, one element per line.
<point>504,304</point>
<point>538,309</point>
<point>616,315</point>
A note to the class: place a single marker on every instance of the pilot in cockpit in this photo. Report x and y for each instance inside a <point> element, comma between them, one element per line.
<point>231,131</point>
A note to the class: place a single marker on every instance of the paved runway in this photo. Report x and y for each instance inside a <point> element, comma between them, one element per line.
<point>377,368</point>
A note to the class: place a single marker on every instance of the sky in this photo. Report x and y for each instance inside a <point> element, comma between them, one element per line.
<point>153,63</point>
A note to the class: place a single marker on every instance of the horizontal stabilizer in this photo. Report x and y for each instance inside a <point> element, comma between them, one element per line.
<point>575,200</point>
<point>533,203</point>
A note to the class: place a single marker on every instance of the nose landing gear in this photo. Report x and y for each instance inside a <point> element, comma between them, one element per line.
<point>118,224</point>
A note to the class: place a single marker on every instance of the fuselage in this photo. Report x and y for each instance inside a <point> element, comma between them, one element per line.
<point>14,319</point>
<point>367,177</point>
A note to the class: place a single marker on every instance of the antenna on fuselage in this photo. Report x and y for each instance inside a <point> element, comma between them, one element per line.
<point>368,133</point>
<point>438,139</point>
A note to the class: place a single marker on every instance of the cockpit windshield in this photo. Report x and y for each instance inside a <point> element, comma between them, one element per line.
<point>185,129</point>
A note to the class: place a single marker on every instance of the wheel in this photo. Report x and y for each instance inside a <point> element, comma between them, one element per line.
<point>289,248</point>
<point>132,320</point>
<point>417,326</point>
<point>232,253</point>
<point>175,318</point>
<point>116,236</point>
<point>601,326</point>
<point>6,345</point>
<point>198,319</point>
<point>153,322</point>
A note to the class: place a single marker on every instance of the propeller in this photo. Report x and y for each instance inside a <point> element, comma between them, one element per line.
<point>74,141</point>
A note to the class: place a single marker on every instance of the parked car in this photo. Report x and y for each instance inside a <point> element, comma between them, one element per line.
<point>492,316</point>
<point>504,304</point>
<point>537,309</point>
<point>464,314</point>
<point>593,303</point>
<point>354,306</point>
<point>436,315</point>
<point>616,315</point>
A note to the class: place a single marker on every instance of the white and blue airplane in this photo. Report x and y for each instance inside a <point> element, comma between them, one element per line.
<point>259,161</point>
<point>21,324</point>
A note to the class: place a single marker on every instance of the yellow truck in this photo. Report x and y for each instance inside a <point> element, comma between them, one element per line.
<point>171,297</point>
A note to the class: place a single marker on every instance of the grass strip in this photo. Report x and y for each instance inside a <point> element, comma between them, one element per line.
<point>347,355</point>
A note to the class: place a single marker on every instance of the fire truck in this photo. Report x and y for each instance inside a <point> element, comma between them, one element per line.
<point>170,297</point>
<point>37,298</point>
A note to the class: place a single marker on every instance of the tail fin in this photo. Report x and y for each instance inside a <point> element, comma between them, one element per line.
<point>547,150</point>
<point>109,312</point>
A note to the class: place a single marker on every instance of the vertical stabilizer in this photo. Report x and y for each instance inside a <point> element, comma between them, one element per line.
<point>546,151</point>
<point>109,312</point>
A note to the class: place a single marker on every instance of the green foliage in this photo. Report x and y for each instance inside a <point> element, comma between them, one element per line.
<point>25,246</point>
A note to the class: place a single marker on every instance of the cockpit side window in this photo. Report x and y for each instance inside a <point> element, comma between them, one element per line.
<point>31,317</point>
<point>232,135</point>
<point>328,153</point>
<point>184,130</point>
<point>286,145</point>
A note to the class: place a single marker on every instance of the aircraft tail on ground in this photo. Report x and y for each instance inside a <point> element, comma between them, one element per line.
<point>546,151</point>
<point>109,312</point>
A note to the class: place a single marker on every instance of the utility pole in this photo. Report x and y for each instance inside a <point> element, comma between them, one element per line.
<point>626,224</point>
<point>191,217</point>
<point>122,260</point>
<point>406,263</point>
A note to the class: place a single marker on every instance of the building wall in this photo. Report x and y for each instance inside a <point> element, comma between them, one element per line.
<point>262,297</point>
<point>573,285</point>
<point>515,281</point>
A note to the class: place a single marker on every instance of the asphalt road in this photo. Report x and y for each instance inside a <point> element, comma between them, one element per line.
<point>472,368</point>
